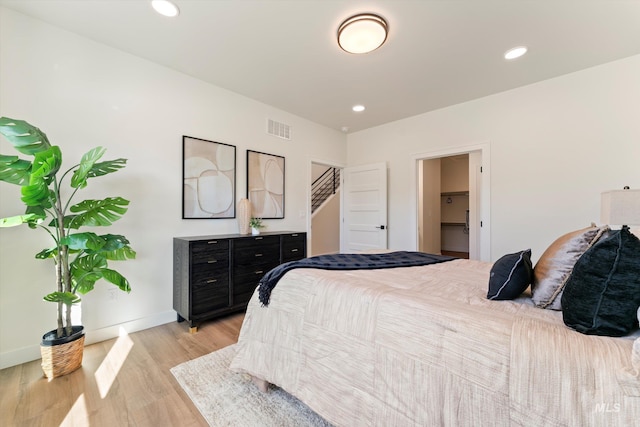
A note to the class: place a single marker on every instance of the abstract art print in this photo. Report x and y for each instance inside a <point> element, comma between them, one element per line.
<point>209,179</point>
<point>265,184</point>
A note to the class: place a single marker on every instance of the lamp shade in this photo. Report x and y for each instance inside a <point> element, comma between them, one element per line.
<point>620,207</point>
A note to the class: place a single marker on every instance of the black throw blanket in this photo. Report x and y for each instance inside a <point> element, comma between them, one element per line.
<point>347,262</point>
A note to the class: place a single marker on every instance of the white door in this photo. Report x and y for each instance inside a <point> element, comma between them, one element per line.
<point>364,208</point>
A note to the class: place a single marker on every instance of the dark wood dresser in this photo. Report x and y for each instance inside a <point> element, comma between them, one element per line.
<point>216,275</point>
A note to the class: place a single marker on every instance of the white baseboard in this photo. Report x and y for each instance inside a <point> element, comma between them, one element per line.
<point>21,355</point>
<point>32,352</point>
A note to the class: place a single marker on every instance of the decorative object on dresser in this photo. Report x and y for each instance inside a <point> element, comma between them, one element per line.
<point>255,224</point>
<point>244,216</point>
<point>216,275</point>
<point>265,184</point>
<point>209,179</point>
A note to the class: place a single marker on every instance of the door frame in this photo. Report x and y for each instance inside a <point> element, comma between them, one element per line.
<point>479,194</point>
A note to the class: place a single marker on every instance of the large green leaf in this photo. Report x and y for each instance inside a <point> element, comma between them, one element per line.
<point>13,221</point>
<point>114,242</point>
<point>98,212</point>
<point>88,241</point>
<point>38,214</point>
<point>104,168</point>
<point>47,253</point>
<point>26,139</point>
<point>121,254</point>
<point>67,220</point>
<point>79,179</point>
<point>67,298</point>
<point>46,164</point>
<point>14,170</point>
<point>37,193</point>
<point>117,279</point>
<point>86,271</point>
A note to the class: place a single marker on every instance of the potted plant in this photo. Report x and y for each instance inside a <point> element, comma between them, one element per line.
<point>80,258</point>
<point>256,225</point>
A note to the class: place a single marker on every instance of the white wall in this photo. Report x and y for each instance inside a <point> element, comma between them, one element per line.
<point>455,173</point>
<point>325,227</point>
<point>555,145</point>
<point>84,94</point>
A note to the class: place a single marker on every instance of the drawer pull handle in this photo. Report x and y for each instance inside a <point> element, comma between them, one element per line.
<point>212,261</point>
<point>258,238</point>
<point>258,255</point>
<point>259,272</point>
<point>212,280</point>
<point>212,242</point>
<point>294,235</point>
<point>294,250</point>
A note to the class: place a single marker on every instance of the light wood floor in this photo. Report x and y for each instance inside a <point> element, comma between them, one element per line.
<point>122,382</point>
<point>463,255</point>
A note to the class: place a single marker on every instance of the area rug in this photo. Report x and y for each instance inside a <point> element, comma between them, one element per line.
<point>229,399</point>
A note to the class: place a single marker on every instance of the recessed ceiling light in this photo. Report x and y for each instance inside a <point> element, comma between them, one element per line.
<point>516,52</point>
<point>362,33</point>
<point>358,108</point>
<point>165,7</point>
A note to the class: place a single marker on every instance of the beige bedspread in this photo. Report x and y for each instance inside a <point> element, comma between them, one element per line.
<point>422,346</point>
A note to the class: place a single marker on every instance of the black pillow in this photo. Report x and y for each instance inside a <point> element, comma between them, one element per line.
<point>510,276</point>
<point>603,293</point>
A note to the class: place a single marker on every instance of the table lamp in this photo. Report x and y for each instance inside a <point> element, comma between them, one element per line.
<point>620,207</point>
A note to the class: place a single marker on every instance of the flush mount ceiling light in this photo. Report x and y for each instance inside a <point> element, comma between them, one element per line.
<point>165,7</point>
<point>358,108</point>
<point>516,52</point>
<point>362,33</point>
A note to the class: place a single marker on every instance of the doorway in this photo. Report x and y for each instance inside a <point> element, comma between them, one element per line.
<point>453,210</point>
<point>324,212</point>
<point>444,208</point>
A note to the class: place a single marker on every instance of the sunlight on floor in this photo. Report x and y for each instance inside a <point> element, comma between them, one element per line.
<point>108,370</point>
<point>78,414</point>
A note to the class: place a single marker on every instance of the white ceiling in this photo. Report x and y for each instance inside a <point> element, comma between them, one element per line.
<point>284,52</point>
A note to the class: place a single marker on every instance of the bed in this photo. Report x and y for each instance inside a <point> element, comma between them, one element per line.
<point>423,346</point>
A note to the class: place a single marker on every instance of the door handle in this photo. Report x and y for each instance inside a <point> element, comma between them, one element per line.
<point>381,227</point>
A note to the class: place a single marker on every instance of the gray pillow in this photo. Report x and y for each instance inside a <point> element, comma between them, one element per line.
<point>554,266</point>
<point>602,295</point>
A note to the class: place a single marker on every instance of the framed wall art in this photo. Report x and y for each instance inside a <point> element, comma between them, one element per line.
<point>209,179</point>
<point>265,184</point>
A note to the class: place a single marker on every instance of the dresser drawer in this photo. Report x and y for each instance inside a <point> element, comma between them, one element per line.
<point>253,241</point>
<point>208,301</point>
<point>245,284</point>
<point>253,274</point>
<point>294,247</point>
<point>206,274</point>
<point>210,251</point>
<point>248,252</point>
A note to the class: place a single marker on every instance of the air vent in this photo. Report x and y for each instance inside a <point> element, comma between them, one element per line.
<point>279,129</point>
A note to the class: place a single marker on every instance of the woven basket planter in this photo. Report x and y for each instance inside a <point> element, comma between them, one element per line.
<point>61,356</point>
